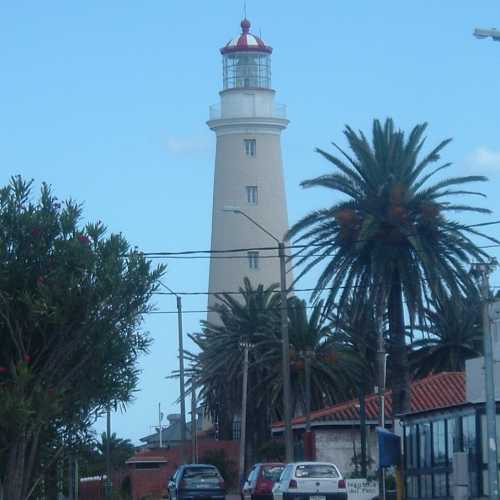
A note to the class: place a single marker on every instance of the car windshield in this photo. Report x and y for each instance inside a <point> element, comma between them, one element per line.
<point>272,472</point>
<point>201,473</point>
<point>316,471</point>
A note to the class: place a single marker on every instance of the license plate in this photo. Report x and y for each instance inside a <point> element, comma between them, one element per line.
<point>317,497</point>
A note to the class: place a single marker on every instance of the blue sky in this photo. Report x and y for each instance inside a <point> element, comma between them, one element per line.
<point>107,101</point>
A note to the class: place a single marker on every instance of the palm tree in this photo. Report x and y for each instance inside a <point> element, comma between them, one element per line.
<point>390,235</point>
<point>311,343</point>
<point>251,317</point>
<point>454,329</point>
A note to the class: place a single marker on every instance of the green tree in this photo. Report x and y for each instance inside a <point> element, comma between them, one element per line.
<point>249,317</point>
<point>390,234</point>
<point>330,364</point>
<point>71,305</point>
<point>93,456</point>
<point>451,334</point>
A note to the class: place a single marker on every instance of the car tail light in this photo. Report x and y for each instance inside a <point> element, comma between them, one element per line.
<point>341,484</point>
<point>222,484</point>
<point>182,484</point>
<point>292,484</point>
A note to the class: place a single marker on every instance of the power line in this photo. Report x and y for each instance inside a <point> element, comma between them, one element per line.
<point>210,254</point>
<point>293,290</point>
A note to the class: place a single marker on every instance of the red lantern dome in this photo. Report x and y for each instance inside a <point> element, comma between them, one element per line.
<point>246,41</point>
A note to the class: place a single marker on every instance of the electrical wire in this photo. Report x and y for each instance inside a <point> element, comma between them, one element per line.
<point>211,254</point>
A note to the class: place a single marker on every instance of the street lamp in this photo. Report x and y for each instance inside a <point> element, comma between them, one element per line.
<point>484,33</point>
<point>287,417</point>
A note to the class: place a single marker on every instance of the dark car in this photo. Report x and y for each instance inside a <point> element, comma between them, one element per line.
<point>196,482</point>
<point>260,481</point>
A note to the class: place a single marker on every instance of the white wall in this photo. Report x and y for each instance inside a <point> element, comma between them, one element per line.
<point>336,445</point>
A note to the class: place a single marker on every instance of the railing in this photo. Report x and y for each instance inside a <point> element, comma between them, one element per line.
<point>279,111</point>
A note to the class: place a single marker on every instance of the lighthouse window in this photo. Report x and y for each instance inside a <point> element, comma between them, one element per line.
<point>252,196</point>
<point>250,147</point>
<point>253,260</point>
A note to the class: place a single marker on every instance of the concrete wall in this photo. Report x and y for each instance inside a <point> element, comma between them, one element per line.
<point>336,445</point>
<point>474,380</point>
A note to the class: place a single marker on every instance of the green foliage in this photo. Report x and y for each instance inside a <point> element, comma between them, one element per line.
<point>218,367</point>
<point>72,300</point>
<point>93,455</point>
<point>272,451</point>
<point>224,464</point>
<point>390,235</point>
<point>452,333</point>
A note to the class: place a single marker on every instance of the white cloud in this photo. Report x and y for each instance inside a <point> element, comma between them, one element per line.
<point>484,160</point>
<point>187,145</point>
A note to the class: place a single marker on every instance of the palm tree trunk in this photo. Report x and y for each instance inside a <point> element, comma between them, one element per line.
<point>400,373</point>
<point>15,469</point>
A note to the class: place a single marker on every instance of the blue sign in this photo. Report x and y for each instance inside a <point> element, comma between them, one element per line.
<point>389,448</point>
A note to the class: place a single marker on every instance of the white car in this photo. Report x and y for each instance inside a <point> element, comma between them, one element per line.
<point>310,481</point>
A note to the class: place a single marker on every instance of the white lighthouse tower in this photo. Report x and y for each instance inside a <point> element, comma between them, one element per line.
<point>248,167</point>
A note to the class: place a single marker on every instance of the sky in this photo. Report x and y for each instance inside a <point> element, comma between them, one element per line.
<point>108,103</point>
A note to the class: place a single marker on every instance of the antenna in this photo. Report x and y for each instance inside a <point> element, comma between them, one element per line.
<point>244,9</point>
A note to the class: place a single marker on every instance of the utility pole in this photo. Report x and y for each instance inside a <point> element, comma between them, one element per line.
<point>182,386</point>
<point>307,369</point>
<point>381,359</point>
<point>160,418</point>
<point>244,392</point>
<point>181,371</point>
<point>285,341</point>
<point>482,271</point>
<point>194,426</point>
<point>109,484</point>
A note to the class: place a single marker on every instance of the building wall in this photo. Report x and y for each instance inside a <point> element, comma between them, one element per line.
<point>154,481</point>
<point>337,446</point>
<point>474,380</point>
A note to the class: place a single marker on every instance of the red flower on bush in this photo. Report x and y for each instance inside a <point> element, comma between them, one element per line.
<point>83,239</point>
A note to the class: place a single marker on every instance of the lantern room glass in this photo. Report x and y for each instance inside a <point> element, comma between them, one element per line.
<point>247,70</point>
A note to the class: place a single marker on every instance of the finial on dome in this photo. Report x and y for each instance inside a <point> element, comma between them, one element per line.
<point>245,25</point>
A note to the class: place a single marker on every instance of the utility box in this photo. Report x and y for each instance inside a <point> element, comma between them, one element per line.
<point>460,481</point>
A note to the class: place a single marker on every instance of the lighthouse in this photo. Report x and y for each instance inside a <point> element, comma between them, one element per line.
<point>248,169</point>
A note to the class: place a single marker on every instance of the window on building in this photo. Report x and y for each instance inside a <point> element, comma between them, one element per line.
<point>250,147</point>
<point>424,434</point>
<point>439,443</point>
<point>253,260</point>
<point>453,437</point>
<point>236,428</point>
<point>426,485</point>
<point>147,465</point>
<point>412,487</point>
<point>252,195</point>
<point>440,485</point>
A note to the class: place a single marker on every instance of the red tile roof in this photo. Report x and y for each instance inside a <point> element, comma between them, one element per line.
<point>432,392</point>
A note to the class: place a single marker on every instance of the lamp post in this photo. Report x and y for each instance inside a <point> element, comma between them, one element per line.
<point>481,272</point>
<point>381,368</point>
<point>287,417</point>
<point>243,428</point>
<point>182,388</point>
